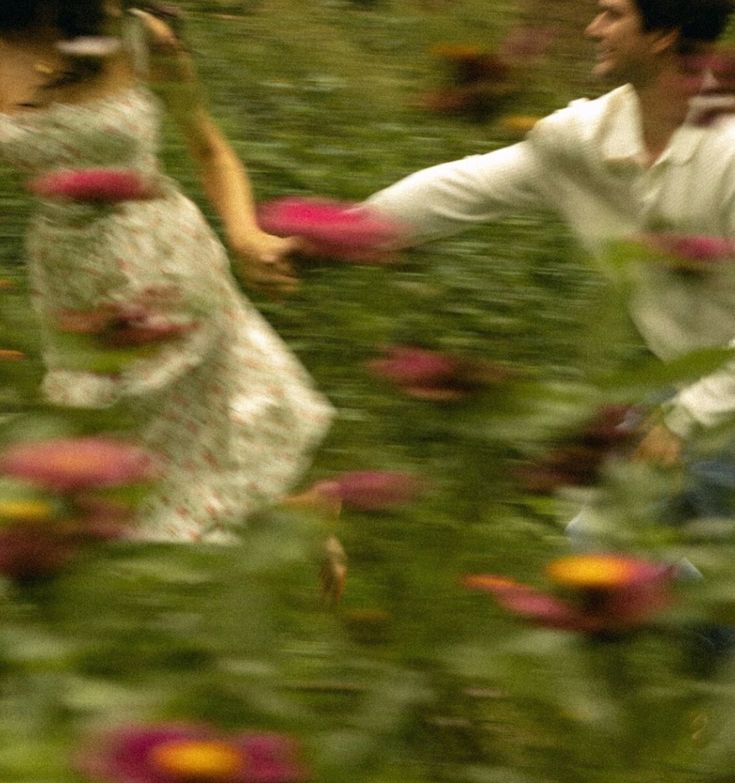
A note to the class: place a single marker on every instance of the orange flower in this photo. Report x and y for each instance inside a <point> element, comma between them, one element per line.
<point>607,593</point>
<point>73,464</point>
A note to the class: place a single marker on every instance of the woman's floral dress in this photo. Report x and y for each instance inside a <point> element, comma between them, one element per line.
<point>228,408</point>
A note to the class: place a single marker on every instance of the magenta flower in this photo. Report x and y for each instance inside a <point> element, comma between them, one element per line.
<point>75,464</point>
<point>334,229</point>
<point>186,753</point>
<point>691,253</point>
<point>709,81</point>
<point>123,325</point>
<point>372,490</point>
<point>101,186</point>
<point>578,460</point>
<point>431,375</point>
<point>605,593</point>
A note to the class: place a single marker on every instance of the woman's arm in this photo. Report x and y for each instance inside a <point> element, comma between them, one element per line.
<point>261,258</point>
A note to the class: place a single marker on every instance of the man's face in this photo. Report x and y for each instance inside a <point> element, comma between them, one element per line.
<point>625,52</point>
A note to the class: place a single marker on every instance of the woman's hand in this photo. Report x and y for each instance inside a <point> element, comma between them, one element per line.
<point>660,446</point>
<point>262,263</point>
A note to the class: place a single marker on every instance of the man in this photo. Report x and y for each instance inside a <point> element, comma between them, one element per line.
<point>624,164</point>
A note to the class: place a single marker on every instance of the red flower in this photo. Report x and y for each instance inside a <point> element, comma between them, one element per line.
<point>34,551</point>
<point>709,80</point>
<point>691,252</point>
<point>578,459</point>
<point>470,64</point>
<point>431,375</point>
<point>333,229</point>
<point>102,186</point>
<point>607,593</point>
<point>123,325</point>
<point>73,464</point>
<point>9,355</point>
<point>372,490</point>
<point>185,753</point>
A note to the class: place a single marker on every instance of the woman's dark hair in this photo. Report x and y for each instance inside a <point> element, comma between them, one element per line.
<point>72,17</point>
<point>697,20</point>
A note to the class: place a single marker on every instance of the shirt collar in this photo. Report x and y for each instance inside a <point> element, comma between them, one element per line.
<point>621,137</point>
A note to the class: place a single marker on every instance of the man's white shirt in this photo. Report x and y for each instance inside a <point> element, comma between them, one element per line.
<point>587,162</point>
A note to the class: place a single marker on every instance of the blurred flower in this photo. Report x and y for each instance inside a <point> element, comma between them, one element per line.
<point>372,490</point>
<point>709,80</point>
<point>184,753</point>
<point>334,229</point>
<point>102,186</point>
<point>27,510</point>
<point>8,355</point>
<point>690,252</point>
<point>469,64</point>
<point>577,461</point>
<point>31,551</point>
<point>73,464</point>
<point>123,325</point>
<point>606,593</point>
<point>517,124</point>
<point>431,375</point>
<point>89,46</point>
<point>479,79</point>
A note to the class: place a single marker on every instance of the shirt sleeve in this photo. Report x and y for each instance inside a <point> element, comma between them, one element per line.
<point>710,401</point>
<point>445,199</point>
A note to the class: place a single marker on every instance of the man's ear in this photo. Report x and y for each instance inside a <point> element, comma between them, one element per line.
<point>665,40</point>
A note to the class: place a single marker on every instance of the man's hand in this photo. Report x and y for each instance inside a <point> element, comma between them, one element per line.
<point>659,446</point>
<point>262,263</point>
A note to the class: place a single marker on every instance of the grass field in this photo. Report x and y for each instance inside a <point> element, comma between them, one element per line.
<point>410,678</point>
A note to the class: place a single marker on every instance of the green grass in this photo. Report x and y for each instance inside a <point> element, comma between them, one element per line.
<point>411,678</point>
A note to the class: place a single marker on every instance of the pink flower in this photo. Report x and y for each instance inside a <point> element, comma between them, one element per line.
<point>607,593</point>
<point>579,458</point>
<point>691,252</point>
<point>372,490</point>
<point>189,753</point>
<point>431,375</point>
<point>101,186</point>
<point>334,229</point>
<point>74,464</point>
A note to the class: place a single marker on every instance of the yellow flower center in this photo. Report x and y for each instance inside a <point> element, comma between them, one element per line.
<point>26,510</point>
<point>592,571</point>
<point>199,760</point>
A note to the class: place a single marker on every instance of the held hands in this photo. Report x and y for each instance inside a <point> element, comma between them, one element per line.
<point>262,263</point>
<point>659,446</point>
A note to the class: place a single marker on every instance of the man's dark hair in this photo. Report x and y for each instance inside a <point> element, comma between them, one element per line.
<point>72,17</point>
<point>698,20</point>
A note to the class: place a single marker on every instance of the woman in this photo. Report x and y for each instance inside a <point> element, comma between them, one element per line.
<point>227,407</point>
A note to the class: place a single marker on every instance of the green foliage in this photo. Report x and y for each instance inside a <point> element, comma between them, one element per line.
<point>411,678</point>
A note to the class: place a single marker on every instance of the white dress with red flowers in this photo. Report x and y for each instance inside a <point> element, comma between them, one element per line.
<point>228,408</point>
